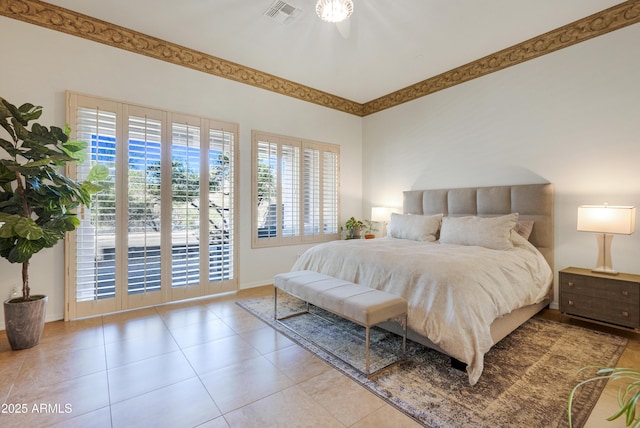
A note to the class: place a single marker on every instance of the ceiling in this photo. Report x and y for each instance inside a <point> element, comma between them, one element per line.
<point>387,44</point>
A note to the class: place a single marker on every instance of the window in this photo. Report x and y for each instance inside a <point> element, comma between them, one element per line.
<point>295,190</point>
<point>164,227</point>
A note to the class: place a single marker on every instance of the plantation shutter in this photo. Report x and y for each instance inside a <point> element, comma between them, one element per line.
<point>185,212</point>
<point>95,258</point>
<point>164,227</point>
<point>330,193</point>
<point>143,205</point>
<point>295,191</point>
<point>311,196</point>
<point>267,194</point>
<point>221,205</point>
<point>289,203</point>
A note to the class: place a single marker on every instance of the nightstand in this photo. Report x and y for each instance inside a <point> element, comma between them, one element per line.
<point>612,300</point>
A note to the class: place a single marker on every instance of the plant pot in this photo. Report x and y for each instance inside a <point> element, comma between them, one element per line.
<point>24,321</point>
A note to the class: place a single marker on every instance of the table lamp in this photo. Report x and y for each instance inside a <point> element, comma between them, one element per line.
<point>606,220</point>
<point>382,215</point>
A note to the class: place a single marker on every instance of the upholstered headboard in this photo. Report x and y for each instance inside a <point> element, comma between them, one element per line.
<point>531,201</point>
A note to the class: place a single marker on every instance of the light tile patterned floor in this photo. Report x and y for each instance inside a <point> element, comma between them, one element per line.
<point>205,363</point>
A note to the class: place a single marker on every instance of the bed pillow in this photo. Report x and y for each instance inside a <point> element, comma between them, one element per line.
<point>524,228</point>
<point>488,232</point>
<point>414,227</point>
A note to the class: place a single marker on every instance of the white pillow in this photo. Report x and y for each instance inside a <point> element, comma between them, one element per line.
<point>488,232</point>
<point>414,227</point>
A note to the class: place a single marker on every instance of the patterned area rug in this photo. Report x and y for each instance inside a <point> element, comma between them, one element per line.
<point>526,380</point>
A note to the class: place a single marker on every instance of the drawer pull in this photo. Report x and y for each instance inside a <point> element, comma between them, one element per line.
<point>570,284</point>
<point>625,313</point>
<point>625,292</point>
<point>570,302</point>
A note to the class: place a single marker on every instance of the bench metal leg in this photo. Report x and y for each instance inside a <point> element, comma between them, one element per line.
<point>367,343</point>
<point>401,320</point>
<point>275,303</point>
<point>275,307</point>
<point>404,335</point>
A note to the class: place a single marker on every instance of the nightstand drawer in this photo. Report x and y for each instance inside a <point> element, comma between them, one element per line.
<point>615,312</point>
<point>601,288</point>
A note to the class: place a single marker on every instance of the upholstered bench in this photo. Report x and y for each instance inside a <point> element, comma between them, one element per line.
<point>362,305</point>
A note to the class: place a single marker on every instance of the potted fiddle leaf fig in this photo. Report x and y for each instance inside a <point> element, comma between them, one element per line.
<point>37,202</point>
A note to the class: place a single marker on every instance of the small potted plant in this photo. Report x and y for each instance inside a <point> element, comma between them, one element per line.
<point>354,228</point>
<point>36,205</point>
<point>369,229</point>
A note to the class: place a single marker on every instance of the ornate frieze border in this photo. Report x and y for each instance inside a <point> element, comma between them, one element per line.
<point>595,25</point>
<point>60,19</point>
<point>74,23</point>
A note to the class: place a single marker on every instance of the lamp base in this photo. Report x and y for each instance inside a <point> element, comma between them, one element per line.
<point>604,265</point>
<point>604,270</point>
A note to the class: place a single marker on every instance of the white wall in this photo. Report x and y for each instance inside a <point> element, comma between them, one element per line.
<point>570,118</point>
<point>39,65</point>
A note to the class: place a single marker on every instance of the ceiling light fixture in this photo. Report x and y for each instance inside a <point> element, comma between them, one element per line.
<point>334,10</point>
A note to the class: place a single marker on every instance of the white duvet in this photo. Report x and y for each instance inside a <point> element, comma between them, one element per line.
<point>454,292</point>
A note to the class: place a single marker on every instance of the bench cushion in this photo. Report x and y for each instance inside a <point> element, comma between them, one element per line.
<point>334,299</point>
<point>375,307</point>
<point>364,305</point>
<point>307,285</point>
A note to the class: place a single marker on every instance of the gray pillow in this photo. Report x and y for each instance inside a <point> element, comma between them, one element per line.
<point>488,232</point>
<point>414,227</point>
<point>524,228</point>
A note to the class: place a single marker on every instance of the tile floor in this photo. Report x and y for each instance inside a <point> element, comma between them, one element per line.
<point>205,363</point>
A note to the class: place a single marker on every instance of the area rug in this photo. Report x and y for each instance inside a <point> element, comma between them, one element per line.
<point>526,380</point>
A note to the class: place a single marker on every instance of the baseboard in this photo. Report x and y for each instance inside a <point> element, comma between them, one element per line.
<point>255,285</point>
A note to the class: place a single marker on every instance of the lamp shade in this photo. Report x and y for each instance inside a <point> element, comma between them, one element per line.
<point>607,219</point>
<point>382,214</point>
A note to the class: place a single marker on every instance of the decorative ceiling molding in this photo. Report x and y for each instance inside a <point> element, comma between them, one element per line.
<point>74,23</point>
<point>603,22</point>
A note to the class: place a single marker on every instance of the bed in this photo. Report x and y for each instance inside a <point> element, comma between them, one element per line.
<point>473,264</point>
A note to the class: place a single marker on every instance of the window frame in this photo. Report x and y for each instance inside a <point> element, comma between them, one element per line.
<point>302,237</point>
